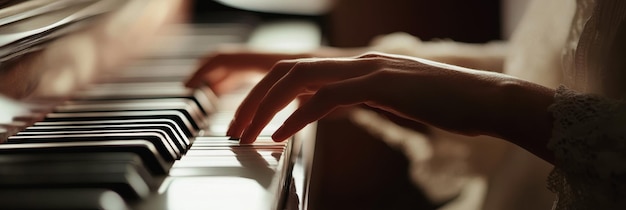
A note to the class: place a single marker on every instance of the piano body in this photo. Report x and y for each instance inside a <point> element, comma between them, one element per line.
<point>104,122</point>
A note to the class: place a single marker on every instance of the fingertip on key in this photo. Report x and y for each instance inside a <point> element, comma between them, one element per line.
<point>278,139</point>
<point>234,130</point>
<point>242,141</point>
<point>234,133</point>
<point>279,135</point>
<point>246,138</point>
<point>231,126</point>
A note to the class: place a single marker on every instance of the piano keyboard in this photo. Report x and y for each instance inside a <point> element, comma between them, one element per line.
<point>139,139</point>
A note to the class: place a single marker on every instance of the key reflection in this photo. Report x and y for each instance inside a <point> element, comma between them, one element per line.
<point>235,173</point>
<point>216,192</point>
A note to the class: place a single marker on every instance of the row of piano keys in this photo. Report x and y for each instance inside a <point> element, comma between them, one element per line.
<point>138,139</point>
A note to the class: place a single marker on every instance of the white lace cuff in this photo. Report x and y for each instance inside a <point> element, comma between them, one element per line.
<point>589,144</point>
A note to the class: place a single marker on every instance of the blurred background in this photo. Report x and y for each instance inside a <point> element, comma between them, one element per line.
<point>353,23</point>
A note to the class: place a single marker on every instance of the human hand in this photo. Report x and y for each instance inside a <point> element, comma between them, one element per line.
<point>445,96</point>
<point>223,69</point>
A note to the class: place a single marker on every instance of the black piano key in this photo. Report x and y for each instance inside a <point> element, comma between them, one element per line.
<point>176,116</point>
<point>157,139</point>
<point>144,149</point>
<point>170,123</point>
<point>185,106</point>
<point>180,144</point>
<point>69,199</point>
<point>154,70</point>
<point>120,177</point>
<point>203,97</point>
<point>93,158</point>
<point>164,144</point>
<point>128,104</point>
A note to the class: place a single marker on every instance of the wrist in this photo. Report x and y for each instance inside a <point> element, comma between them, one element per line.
<point>522,116</point>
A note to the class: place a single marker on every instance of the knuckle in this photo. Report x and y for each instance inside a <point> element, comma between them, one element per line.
<point>376,64</point>
<point>283,63</point>
<point>282,66</point>
<point>374,60</point>
<point>384,75</point>
<point>300,70</point>
<point>371,54</point>
<point>325,93</point>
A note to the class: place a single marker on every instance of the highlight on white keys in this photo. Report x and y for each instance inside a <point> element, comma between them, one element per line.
<point>226,193</point>
<point>10,109</point>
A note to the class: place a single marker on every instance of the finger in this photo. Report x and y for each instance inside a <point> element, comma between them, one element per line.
<point>349,92</point>
<point>247,108</point>
<point>219,65</point>
<point>304,77</point>
<point>197,79</point>
<point>221,56</point>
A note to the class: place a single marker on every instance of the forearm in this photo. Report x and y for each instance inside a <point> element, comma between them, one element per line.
<point>474,102</point>
<point>520,115</point>
<point>501,106</point>
<point>489,56</point>
<point>495,105</point>
<point>486,56</point>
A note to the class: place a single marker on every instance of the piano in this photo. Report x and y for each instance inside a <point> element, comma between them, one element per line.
<point>136,138</point>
